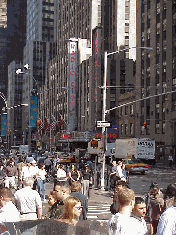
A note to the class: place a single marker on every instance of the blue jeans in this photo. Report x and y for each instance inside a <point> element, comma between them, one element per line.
<point>41,187</point>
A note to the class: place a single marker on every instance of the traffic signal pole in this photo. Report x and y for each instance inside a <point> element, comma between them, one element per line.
<point>103,119</point>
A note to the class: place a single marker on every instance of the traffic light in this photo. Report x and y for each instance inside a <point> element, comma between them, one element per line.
<point>23,136</point>
<point>38,123</point>
<point>145,125</point>
<point>94,143</point>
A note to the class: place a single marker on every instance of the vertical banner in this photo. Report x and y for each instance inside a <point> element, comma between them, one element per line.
<point>71,86</point>
<point>3,124</point>
<point>33,110</point>
<point>97,76</point>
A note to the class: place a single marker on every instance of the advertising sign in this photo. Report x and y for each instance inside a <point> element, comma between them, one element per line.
<point>71,86</point>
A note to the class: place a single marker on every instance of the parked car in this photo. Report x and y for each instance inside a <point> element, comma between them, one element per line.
<point>135,166</point>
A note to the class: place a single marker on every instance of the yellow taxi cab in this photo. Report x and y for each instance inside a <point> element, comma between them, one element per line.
<point>64,158</point>
<point>135,166</point>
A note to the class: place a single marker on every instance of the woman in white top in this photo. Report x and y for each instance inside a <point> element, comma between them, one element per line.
<point>41,180</point>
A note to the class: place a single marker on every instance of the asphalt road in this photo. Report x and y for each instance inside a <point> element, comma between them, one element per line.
<point>163,177</point>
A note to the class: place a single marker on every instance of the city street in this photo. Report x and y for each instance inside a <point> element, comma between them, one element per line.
<point>100,200</point>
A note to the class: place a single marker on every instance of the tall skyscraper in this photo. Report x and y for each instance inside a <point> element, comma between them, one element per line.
<point>126,26</point>
<point>3,14</point>
<point>12,37</point>
<point>36,53</point>
<point>156,74</point>
<point>40,20</point>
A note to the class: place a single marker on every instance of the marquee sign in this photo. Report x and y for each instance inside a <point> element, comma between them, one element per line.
<point>72,73</point>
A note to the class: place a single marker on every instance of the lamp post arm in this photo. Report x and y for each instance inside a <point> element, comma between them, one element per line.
<point>127,49</point>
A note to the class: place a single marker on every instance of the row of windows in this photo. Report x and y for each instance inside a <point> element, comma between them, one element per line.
<point>129,109</point>
<point>127,129</point>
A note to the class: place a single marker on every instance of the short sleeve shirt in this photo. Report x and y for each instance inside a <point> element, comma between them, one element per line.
<point>61,174</point>
<point>123,224</point>
<point>27,200</point>
<point>41,174</point>
<point>167,222</point>
<point>9,213</point>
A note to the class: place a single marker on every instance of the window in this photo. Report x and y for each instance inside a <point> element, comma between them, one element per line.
<point>157,128</point>
<point>126,16</point>
<point>148,33</point>
<point>126,29</point>
<point>131,128</point>
<point>131,109</point>
<point>158,8</point>
<point>142,130</point>
<point>164,24</point>
<point>163,127</point>
<point>158,28</point>
<point>126,129</point>
<point>121,129</point>
<point>126,110</point>
<point>121,111</point>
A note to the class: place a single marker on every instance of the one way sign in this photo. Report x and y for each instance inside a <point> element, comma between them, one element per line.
<point>103,124</point>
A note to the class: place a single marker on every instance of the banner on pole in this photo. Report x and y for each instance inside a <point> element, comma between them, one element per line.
<point>3,124</point>
<point>33,110</point>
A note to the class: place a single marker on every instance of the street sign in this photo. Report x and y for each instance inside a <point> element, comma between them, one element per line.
<point>103,124</point>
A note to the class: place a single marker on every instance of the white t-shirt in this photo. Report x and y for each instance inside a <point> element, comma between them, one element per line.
<point>60,174</point>
<point>123,224</point>
<point>119,172</point>
<point>9,213</point>
<point>41,174</point>
<point>142,223</point>
<point>26,171</point>
<point>167,222</point>
<point>34,170</point>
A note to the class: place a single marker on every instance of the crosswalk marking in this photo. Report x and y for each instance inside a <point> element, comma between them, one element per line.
<point>95,210</point>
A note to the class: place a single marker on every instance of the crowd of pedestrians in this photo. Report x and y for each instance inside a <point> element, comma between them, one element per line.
<point>69,199</point>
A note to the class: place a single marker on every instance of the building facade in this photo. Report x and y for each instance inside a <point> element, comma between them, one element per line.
<point>15,107</point>
<point>156,74</point>
<point>12,36</point>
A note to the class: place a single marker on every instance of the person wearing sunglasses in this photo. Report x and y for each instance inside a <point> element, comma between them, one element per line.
<point>72,211</point>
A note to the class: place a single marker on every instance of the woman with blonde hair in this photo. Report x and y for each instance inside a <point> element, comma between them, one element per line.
<point>72,211</point>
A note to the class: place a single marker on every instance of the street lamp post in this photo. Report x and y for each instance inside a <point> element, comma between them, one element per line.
<point>25,71</point>
<point>104,104</point>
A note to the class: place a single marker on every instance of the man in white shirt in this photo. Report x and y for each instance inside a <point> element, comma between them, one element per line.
<point>167,221</point>
<point>139,212</point>
<point>61,174</point>
<point>26,170</point>
<point>8,211</point>
<point>122,223</point>
<point>28,201</point>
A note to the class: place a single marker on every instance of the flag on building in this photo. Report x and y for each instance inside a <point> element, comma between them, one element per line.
<point>59,122</point>
<point>41,128</point>
<point>53,123</point>
<point>47,125</point>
